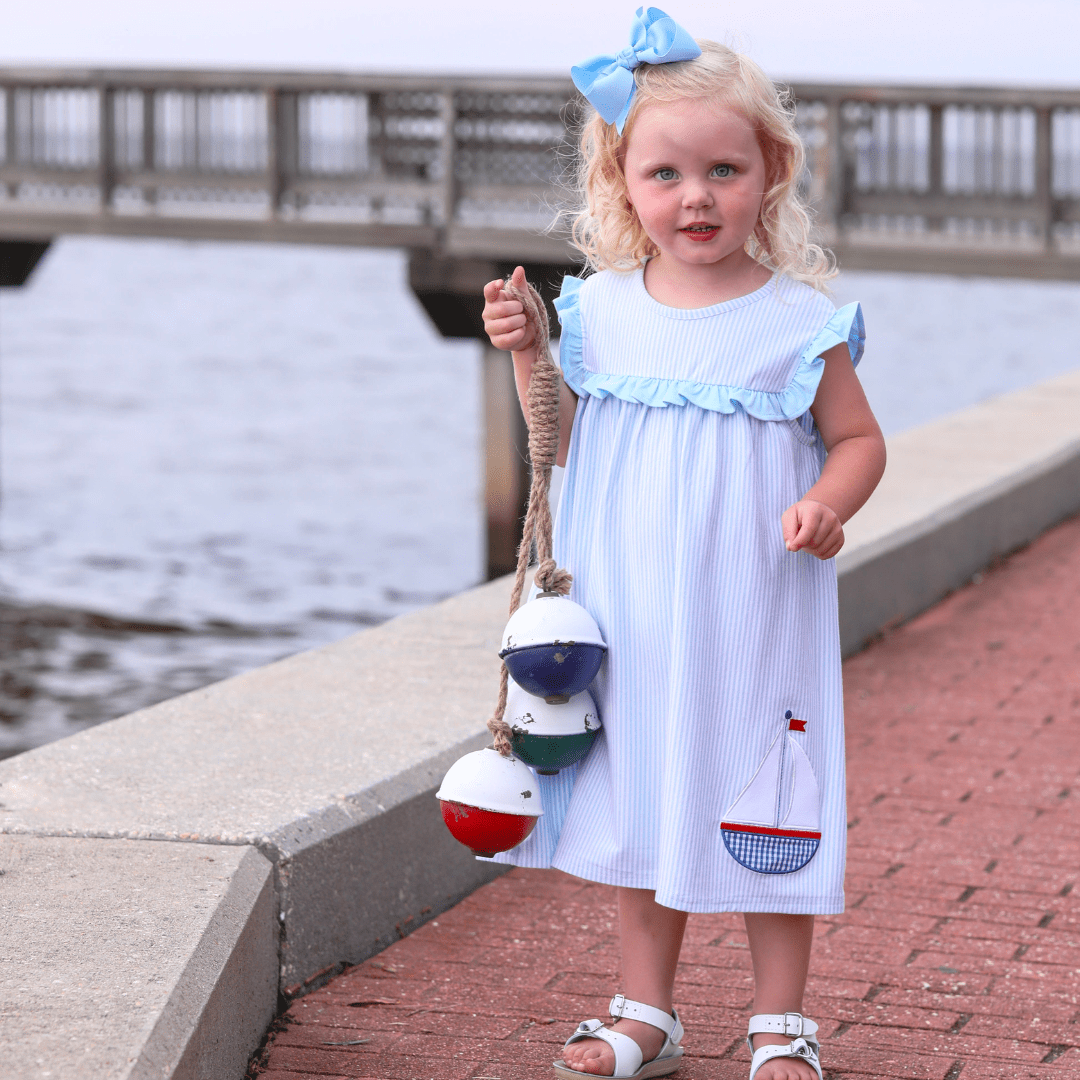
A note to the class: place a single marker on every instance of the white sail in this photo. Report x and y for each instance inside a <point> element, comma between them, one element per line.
<point>782,793</point>
<point>803,811</point>
<point>757,803</point>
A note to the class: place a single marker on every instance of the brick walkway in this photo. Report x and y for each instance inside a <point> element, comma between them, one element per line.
<point>956,959</point>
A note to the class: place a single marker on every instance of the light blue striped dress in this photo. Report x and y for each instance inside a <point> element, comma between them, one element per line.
<point>690,440</point>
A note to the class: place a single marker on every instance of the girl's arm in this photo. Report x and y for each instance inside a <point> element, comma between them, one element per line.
<point>853,467</point>
<point>508,329</point>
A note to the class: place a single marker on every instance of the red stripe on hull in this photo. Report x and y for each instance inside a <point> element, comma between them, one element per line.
<point>764,830</point>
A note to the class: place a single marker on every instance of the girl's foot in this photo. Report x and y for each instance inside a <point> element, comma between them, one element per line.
<point>596,1058</point>
<point>780,951</point>
<point>651,936</point>
<point>782,1068</point>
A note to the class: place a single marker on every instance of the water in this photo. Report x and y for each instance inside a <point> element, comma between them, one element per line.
<point>214,455</point>
<point>936,344</point>
<point>256,448</point>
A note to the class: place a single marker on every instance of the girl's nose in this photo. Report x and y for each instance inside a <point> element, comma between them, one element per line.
<point>696,194</point>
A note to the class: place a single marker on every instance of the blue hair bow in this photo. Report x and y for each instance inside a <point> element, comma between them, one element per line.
<point>608,82</point>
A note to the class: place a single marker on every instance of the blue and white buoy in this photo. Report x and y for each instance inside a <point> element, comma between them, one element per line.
<point>552,648</point>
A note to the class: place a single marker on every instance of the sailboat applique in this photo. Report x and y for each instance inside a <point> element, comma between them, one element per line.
<point>773,827</point>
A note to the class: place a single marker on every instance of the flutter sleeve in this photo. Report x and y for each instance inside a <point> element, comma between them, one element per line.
<point>568,305</point>
<point>845,327</point>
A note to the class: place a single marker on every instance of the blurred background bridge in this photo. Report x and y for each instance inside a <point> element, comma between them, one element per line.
<point>469,174</point>
<point>972,180</point>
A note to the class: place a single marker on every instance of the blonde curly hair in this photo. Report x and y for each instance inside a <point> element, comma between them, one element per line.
<point>606,227</point>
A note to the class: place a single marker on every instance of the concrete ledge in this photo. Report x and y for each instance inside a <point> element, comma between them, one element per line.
<point>226,996</point>
<point>958,494</point>
<point>325,762</point>
<point>324,767</point>
<point>122,958</point>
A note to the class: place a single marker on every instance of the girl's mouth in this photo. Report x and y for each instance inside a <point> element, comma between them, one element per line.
<point>700,231</point>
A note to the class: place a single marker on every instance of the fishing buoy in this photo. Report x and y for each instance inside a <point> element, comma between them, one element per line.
<point>773,826</point>
<point>490,799</point>
<point>550,737</point>
<point>490,802</point>
<point>552,648</point>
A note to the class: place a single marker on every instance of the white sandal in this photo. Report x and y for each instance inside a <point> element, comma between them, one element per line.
<point>628,1064</point>
<point>803,1033</point>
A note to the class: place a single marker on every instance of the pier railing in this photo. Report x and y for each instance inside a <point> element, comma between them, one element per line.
<point>978,180</point>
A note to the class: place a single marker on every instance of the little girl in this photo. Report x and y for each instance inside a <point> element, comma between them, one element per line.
<point>715,439</point>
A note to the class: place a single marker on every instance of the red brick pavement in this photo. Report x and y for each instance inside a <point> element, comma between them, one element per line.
<point>957,958</point>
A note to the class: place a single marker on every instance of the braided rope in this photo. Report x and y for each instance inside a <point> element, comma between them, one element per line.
<point>543,402</point>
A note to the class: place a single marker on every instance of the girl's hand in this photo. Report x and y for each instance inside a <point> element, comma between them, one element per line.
<point>814,526</point>
<point>504,319</point>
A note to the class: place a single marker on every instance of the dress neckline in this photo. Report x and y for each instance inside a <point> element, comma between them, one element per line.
<point>759,293</point>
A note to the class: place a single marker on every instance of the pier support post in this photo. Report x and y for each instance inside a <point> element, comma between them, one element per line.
<point>451,291</point>
<point>506,469</point>
<point>18,259</point>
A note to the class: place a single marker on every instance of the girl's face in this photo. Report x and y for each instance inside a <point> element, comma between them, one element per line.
<point>696,176</point>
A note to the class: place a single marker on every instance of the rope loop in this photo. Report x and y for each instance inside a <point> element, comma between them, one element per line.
<point>553,579</point>
<point>543,402</point>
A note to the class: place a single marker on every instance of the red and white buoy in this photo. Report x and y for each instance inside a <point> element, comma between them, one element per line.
<point>490,803</point>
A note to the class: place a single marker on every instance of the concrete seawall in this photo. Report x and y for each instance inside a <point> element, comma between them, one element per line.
<point>957,494</point>
<point>170,875</point>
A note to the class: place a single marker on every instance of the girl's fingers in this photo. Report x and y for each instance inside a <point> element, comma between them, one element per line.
<point>507,342</point>
<point>828,540</point>
<point>500,306</point>
<point>502,310</point>
<point>493,290</point>
<point>504,319</point>
<point>789,523</point>
<point>813,527</point>
<point>823,528</point>
<point>805,521</point>
<point>505,333</point>
<point>831,546</point>
<point>505,326</point>
<point>514,325</point>
<point>511,333</point>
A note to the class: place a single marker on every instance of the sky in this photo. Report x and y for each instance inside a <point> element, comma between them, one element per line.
<point>995,42</point>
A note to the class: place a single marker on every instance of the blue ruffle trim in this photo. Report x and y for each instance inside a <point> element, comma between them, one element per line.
<point>845,327</point>
<point>568,306</point>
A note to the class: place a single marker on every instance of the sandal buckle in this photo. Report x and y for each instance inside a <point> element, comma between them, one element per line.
<point>788,1029</point>
<point>618,1006</point>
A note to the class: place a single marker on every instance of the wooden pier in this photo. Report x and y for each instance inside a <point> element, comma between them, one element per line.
<point>978,180</point>
<point>470,173</point>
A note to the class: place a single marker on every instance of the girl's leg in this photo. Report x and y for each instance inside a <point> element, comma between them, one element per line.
<point>651,937</point>
<point>780,950</point>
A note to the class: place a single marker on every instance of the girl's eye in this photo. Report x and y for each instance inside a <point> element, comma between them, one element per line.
<point>723,170</point>
<point>665,174</point>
